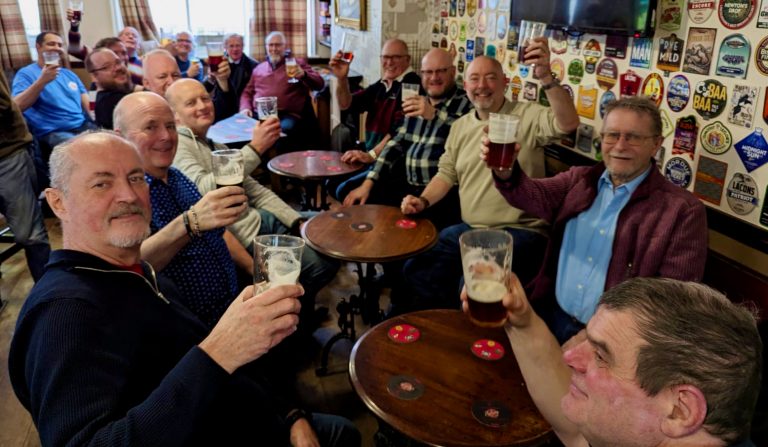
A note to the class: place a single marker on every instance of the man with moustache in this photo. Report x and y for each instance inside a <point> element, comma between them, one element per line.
<point>104,353</point>
<point>435,274</point>
<point>380,100</point>
<point>266,212</point>
<point>269,78</point>
<point>409,160</point>
<point>616,220</point>
<point>663,363</point>
<point>160,71</point>
<point>112,80</point>
<point>189,243</point>
<point>227,84</point>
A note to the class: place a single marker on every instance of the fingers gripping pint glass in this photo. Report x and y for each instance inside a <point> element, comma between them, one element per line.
<point>486,257</point>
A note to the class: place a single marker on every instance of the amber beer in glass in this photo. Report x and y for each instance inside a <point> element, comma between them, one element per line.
<point>348,43</point>
<point>291,69</point>
<point>77,9</point>
<point>215,55</point>
<point>528,31</point>
<point>502,133</point>
<point>486,258</point>
<point>228,167</point>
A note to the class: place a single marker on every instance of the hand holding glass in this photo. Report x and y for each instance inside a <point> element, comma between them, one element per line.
<point>77,10</point>
<point>486,257</point>
<point>228,167</point>
<point>528,30</point>
<point>276,261</point>
<point>266,106</point>
<point>51,57</point>
<point>502,133</point>
<point>408,90</point>
<point>291,69</point>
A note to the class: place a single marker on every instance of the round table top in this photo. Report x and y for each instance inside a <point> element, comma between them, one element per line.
<point>454,380</point>
<point>311,165</point>
<point>369,233</point>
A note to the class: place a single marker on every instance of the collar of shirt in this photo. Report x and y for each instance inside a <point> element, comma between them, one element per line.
<point>398,79</point>
<point>630,186</point>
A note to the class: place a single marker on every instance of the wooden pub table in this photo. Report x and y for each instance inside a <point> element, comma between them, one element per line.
<point>365,234</point>
<point>312,168</point>
<point>434,377</point>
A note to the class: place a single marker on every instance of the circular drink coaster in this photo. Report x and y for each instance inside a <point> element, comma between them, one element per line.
<point>339,215</point>
<point>406,224</point>
<point>405,387</point>
<point>286,164</point>
<point>403,333</point>
<point>361,226</point>
<point>491,413</point>
<point>333,168</point>
<point>326,158</point>
<point>488,349</point>
<point>309,154</point>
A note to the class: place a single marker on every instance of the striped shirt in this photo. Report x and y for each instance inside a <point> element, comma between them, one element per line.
<point>423,141</point>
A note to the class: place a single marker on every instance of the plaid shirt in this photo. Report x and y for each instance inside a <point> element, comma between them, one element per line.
<point>423,141</point>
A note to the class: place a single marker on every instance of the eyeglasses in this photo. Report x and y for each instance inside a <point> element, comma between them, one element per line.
<point>109,67</point>
<point>184,40</point>
<point>393,57</point>
<point>631,138</point>
<point>438,71</point>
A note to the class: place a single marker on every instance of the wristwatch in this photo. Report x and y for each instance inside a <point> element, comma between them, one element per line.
<point>295,415</point>
<point>555,82</point>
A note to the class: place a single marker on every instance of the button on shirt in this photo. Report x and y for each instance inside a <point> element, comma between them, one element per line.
<point>203,270</point>
<point>587,248</point>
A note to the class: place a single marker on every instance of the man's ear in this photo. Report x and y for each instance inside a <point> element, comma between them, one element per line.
<point>686,409</point>
<point>55,200</point>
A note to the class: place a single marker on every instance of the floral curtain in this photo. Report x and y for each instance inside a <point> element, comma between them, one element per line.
<point>14,49</point>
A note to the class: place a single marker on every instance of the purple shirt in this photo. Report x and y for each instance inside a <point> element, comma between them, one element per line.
<point>266,81</point>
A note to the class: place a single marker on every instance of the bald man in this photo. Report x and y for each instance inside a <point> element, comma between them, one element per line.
<point>160,71</point>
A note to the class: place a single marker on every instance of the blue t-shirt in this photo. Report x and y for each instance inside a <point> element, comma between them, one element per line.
<point>59,106</point>
<point>184,68</point>
<point>203,270</point>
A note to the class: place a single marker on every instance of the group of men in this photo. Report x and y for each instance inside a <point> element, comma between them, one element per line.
<point>638,371</point>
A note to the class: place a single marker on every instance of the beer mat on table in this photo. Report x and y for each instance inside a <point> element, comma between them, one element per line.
<point>405,387</point>
<point>326,158</point>
<point>407,224</point>
<point>488,349</point>
<point>361,226</point>
<point>491,413</point>
<point>339,215</point>
<point>333,168</point>
<point>285,164</point>
<point>403,333</point>
<point>309,154</point>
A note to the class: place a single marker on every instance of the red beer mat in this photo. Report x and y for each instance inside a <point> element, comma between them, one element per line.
<point>309,154</point>
<point>333,168</point>
<point>488,349</point>
<point>286,164</point>
<point>407,224</point>
<point>403,333</point>
<point>326,158</point>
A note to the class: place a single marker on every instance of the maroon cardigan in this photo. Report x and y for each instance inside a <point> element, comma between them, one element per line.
<point>662,231</point>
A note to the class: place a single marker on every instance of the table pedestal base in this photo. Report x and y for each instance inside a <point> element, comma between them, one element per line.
<point>365,304</point>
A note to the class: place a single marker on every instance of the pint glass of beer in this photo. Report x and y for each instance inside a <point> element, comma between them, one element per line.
<point>266,106</point>
<point>528,30</point>
<point>276,260</point>
<point>228,167</point>
<point>215,55</point>
<point>502,133</point>
<point>486,257</point>
<point>77,10</point>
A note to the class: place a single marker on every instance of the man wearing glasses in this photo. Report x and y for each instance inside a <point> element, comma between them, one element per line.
<point>617,220</point>
<point>409,160</point>
<point>113,82</point>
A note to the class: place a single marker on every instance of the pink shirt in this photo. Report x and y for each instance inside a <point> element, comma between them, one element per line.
<point>266,81</point>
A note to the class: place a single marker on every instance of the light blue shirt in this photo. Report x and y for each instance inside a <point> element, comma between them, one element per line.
<point>587,248</point>
<point>59,106</point>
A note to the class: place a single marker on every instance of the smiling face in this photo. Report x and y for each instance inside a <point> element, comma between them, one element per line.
<point>51,42</point>
<point>437,73</point>
<point>275,48</point>
<point>160,71</point>
<point>623,160</point>
<point>131,38</point>
<point>192,105</point>
<point>234,47</point>
<point>485,84</point>
<point>605,401</point>
<point>394,59</point>
<point>149,124</point>
<point>184,45</point>
<point>109,71</point>
<point>105,210</point>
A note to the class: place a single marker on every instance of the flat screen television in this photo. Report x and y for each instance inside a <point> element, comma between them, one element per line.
<point>615,17</point>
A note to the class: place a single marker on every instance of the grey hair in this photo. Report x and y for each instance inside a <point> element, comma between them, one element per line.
<point>157,52</point>
<point>234,36</point>
<point>273,34</point>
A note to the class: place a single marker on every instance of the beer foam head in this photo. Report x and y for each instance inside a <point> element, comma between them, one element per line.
<point>487,291</point>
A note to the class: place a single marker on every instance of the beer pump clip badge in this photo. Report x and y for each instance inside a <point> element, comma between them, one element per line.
<point>742,194</point>
<point>761,56</point>
<point>735,14</point>
<point>515,85</point>
<point>671,14</point>
<point>678,93</point>
<point>607,72</point>
<point>575,71</point>
<point>678,171</point>
<point>699,11</point>
<point>616,46</point>
<point>642,50</point>
<point>716,138</point>
<point>670,53</point>
<point>733,59</point>
<point>607,98</point>
<point>686,131</point>
<point>762,22</point>
<point>709,98</point>
<point>743,101</point>
<point>753,150</point>
<point>592,54</point>
<point>629,84</point>
<point>653,87</point>
<point>710,180</point>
